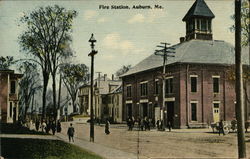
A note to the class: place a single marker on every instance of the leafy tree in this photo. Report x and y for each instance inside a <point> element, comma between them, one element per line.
<point>230,73</point>
<point>245,24</point>
<point>6,62</point>
<point>73,76</point>
<point>123,70</point>
<point>46,38</point>
<point>29,85</point>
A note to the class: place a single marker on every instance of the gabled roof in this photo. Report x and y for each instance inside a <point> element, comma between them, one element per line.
<point>118,89</point>
<point>199,9</point>
<point>194,51</point>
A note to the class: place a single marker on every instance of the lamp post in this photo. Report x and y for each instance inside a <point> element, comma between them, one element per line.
<point>92,54</point>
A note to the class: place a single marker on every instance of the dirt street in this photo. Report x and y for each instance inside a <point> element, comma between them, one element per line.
<point>180,143</point>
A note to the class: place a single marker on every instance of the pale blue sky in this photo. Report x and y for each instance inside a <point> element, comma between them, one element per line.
<point>123,36</point>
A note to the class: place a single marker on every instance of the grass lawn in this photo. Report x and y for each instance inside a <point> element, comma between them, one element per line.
<point>16,148</point>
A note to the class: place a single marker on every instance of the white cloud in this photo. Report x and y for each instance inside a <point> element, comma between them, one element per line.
<point>101,20</point>
<point>155,14</point>
<point>89,14</point>
<point>149,17</point>
<point>138,18</point>
<point>114,41</point>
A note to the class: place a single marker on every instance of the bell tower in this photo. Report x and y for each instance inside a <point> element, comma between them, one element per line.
<point>199,21</point>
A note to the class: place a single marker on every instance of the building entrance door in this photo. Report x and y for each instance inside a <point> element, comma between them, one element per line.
<point>170,112</point>
<point>129,110</point>
<point>14,114</point>
<point>144,110</point>
<point>216,112</point>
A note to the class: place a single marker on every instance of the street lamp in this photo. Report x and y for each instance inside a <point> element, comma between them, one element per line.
<point>92,54</point>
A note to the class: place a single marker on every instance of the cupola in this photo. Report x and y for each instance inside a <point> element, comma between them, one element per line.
<point>199,21</point>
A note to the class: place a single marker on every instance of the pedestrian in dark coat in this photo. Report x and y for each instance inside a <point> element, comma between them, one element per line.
<point>58,126</point>
<point>139,123</point>
<point>37,125</point>
<point>53,127</point>
<point>221,128</point>
<point>71,132</point>
<point>169,125</point>
<point>158,124</point>
<point>132,123</point>
<point>107,127</point>
<point>47,129</point>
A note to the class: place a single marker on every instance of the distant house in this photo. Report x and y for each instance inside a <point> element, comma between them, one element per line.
<point>197,86</point>
<point>102,86</point>
<point>9,100</point>
<point>114,104</point>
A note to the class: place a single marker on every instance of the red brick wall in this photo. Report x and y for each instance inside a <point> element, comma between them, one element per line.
<point>182,92</point>
<point>3,95</point>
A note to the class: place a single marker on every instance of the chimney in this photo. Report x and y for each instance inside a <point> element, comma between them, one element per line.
<point>182,39</point>
<point>113,77</point>
<point>105,75</point>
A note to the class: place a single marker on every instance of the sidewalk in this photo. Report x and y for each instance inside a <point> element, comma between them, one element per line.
<point>101,150</point>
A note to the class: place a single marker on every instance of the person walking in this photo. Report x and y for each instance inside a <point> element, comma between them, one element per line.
<point>107,127</point>
<point>43,126</point>
<point>37,125</point>
<point>169,125</point>
<point>71,132</point>
<point>221,127</point>
<point>132,123</point>
<point>58,126</point>
<point>53,127</point>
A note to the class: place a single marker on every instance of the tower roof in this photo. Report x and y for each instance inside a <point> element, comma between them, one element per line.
<point>199,9</point>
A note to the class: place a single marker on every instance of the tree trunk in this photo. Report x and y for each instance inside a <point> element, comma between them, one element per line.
<point>59,93</point>
<point>54,95</point>
<point>45,84</point>
<point>73,104</point>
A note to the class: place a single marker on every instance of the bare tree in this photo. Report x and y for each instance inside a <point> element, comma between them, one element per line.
<point>29,85</point>
<point>45,39</point>
<point>6,62</point>
<point>73,76</point>
<point>123,70</point>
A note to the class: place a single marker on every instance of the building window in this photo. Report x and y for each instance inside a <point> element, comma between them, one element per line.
<point>216,84</point>
<point>216,107</point>
<point>198,23</point>
<point>203,25</point>
<point>193,84</point>
<point>129,90</point>
<point>194,111</point>
<point>169,85</point>
<point>157,87</point>
<point>13,87</point>
<point>11,109</point>
<point>144,89</point>
<point>209,26</point>
<point>110,99</point>
<point>117,110</point>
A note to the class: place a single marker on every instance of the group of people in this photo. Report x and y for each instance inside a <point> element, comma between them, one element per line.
<point>143,124</point>
<point>130,123</point>
<point>160,125</point>
<point>46,126</point>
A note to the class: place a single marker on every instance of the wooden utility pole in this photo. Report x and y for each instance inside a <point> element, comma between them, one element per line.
<point>92,54</point>
<point>165,53</point>
<point>239,109</point>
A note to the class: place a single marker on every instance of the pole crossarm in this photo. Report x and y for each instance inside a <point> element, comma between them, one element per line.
<point>165,52</point>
